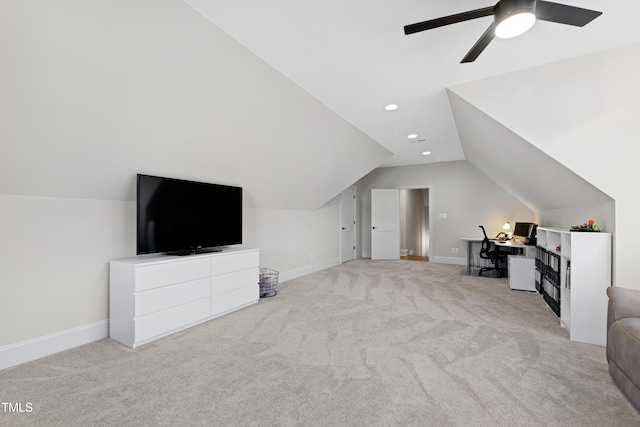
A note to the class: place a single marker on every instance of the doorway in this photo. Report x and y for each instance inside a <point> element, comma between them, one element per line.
<point>414,224</point>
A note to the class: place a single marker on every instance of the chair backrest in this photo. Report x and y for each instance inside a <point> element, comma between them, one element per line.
<point>484,233</point>
<point>485,250</point>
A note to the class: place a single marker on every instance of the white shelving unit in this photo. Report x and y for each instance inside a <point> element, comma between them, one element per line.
<point>154,296</point>
<point>583,260</point>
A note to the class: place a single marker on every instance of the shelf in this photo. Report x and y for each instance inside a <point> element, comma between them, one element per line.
<point>580,264</point>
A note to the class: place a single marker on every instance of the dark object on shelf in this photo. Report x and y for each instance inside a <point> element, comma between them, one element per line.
<point>623,340</point>
<point>551,295</point>
<point>492,253</point>
<point>585,230</point>
<point>268,283</point>
<point>589,226</point>
<point>548,278</point>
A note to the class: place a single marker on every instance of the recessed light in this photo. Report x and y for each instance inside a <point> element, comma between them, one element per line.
<point>412,136</point>
<point>426,153</point>
<point>391,107</point>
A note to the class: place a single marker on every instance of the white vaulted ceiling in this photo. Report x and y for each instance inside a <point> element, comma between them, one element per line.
<point>354,57</point>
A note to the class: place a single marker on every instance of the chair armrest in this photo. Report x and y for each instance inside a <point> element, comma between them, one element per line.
<point>623,303</point>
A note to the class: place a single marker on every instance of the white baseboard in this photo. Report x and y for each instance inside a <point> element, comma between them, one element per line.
<point>26,351</point>
<point>437,259</point>
<point>299,272</point>
<point>448,260</point>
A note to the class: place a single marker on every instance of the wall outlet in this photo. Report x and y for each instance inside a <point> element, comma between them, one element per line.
<point>442,216</point>
<point>455,250</point>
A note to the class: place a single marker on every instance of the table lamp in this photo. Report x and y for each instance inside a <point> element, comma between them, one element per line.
<point>507,229</point>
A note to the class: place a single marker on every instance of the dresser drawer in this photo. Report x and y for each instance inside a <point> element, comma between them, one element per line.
<point>158,275</point>
<point>230,281</point>
<point>170,320</point>
<point>232,300</point>
<point>234,262</point>
<point>169,296</point>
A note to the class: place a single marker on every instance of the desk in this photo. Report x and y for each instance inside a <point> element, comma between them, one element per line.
<point>520,247</point>
<point>475,263</point>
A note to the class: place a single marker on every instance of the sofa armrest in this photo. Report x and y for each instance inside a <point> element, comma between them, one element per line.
<point>623,303</point>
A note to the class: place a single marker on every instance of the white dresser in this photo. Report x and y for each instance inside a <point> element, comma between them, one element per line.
<point>154,296</point>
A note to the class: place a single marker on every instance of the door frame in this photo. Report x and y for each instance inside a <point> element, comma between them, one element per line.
<point>430,188</point>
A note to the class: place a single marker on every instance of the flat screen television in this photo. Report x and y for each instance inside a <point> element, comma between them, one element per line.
<point>186,217</point>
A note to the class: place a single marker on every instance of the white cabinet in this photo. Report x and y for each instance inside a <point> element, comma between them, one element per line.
<point>521,272</point>
<point>154,296</point>
<point>582,261</point>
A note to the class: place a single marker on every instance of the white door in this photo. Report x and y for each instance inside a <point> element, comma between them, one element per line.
<point>385,224</point>
<point>347,225</point>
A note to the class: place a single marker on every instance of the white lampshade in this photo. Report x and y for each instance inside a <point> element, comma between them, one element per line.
<point>506,226</point>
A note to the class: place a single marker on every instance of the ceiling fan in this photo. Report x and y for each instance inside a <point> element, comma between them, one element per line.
<point>510,18</point>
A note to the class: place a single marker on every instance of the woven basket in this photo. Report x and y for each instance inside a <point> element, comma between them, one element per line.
<point>268,282</point>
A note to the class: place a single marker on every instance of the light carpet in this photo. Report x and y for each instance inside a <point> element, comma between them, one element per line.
<point>366,343</point>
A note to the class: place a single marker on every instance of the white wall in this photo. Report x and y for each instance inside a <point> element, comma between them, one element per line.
<point>602,213</point>
<point>92,93</point>
<point>296,241</point>
<point>459,190</point>
<point>54,256</point>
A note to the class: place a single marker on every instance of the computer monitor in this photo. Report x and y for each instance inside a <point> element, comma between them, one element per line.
<point>523,229</point>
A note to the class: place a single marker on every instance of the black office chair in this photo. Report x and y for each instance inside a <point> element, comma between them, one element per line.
<point>492,253</point>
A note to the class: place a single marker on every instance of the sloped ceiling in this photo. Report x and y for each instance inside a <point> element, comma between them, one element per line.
<point>93,93</point>
<point>583,112</point>
<point>533,177</point>
<point>355,58</point>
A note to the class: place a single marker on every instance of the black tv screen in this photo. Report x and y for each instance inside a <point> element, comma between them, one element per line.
<point>184,217</point>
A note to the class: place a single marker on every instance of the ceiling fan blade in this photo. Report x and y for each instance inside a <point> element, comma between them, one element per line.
<point>565,14</point>
<point>480,45</point>
<point>447,20</point>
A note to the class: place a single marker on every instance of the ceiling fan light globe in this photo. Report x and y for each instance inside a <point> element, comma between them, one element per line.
<point>514,24</point>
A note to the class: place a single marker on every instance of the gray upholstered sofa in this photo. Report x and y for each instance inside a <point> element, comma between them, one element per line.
<point>623,340</point>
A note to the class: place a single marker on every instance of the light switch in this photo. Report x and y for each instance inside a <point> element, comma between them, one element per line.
<point>442,216</point>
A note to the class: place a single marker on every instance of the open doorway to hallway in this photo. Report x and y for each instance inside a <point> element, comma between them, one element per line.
<point>414,224</point>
